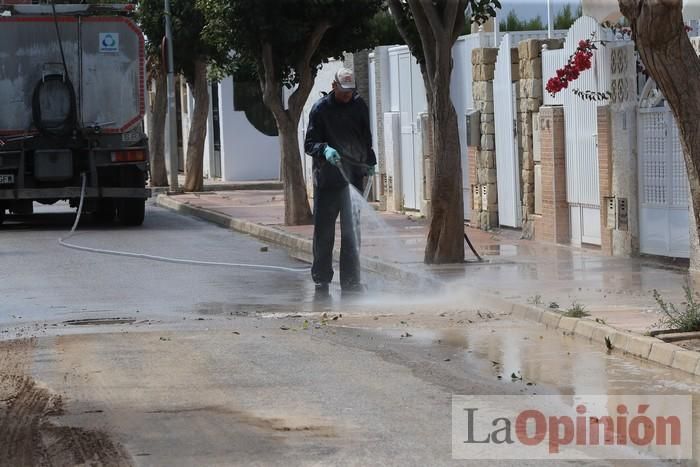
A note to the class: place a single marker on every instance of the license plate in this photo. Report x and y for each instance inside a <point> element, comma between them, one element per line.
<point>7,179</point>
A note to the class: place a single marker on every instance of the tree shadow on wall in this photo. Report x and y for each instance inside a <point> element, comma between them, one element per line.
<point>247,97</point>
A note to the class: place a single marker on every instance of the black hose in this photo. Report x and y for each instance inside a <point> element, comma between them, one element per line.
<point>68,125</point>
<point>466,238</point>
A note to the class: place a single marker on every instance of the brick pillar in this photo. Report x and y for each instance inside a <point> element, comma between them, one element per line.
<point>605,167</point>
<point>529,101</point>
<point>553,224</point>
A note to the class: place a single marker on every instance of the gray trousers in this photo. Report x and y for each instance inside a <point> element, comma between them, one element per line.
<point>328,204</point>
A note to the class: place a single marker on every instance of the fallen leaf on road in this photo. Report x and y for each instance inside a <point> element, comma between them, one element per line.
<point>284,328</point>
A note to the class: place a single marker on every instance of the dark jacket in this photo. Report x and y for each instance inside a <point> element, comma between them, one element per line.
<point>346,128</point>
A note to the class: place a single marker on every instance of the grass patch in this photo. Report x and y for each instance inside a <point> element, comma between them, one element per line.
<point>576,311</point>
<point>535,300</point>
<point>685,318</point>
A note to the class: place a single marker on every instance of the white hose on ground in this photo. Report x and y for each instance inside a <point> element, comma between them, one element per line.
<point>164,259</point>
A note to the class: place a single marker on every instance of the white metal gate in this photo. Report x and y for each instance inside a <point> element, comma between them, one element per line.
<point>663,186</point>
<point>582,173</point>
<point>408,150</point>
<point>462,98</point>
<point>411,102</point>
<point>507,163</point>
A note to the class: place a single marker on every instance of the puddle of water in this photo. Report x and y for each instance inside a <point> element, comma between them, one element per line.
<point>544,362</point>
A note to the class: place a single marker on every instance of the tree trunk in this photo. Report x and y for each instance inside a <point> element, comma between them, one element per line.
<point>669,57</point>
<point>296,203</point>
<point>194,173</point>
<point>446,236</point>
<point>156,133</point>
<point>438,25</point>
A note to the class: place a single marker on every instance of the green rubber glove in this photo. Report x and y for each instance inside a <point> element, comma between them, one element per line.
<point>372,170</point>
<point>332,155</point>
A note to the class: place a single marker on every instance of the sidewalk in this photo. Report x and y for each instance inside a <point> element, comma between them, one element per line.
<point>615,291</point>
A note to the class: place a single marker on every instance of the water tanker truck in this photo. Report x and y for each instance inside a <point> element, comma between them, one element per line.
<point>72,102</point>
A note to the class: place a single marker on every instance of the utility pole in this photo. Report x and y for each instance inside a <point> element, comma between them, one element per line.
<point>171,119</point>
<point>496,30</point>
<point>549,19</point>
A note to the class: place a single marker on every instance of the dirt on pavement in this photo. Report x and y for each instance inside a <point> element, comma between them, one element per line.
<point>28,437</point>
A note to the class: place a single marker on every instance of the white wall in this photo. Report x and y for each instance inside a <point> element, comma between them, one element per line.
<point>246,154</point>
<point>209,140</point>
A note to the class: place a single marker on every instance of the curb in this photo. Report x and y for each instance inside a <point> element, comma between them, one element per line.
<point>643,347</point>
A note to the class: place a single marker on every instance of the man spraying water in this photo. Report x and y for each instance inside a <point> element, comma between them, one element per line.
<point>339,140</point>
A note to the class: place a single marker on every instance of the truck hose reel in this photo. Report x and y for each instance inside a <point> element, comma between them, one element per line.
<point>56,87</point>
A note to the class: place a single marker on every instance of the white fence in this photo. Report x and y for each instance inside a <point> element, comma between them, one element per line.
<point>582,173</point>
<point>507,164</point>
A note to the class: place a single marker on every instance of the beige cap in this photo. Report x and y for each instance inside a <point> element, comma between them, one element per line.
<point>345,78</point>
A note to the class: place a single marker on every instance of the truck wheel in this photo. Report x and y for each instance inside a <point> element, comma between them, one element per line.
<point>131,211</point>
<point>106,210</point>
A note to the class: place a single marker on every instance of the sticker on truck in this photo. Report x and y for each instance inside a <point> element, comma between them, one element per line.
<point>109,42</point>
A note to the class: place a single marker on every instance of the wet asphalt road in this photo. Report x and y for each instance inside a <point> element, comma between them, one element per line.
<point>190,365</point>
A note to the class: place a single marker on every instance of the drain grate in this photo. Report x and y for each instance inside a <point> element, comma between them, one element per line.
<point>98,321</point>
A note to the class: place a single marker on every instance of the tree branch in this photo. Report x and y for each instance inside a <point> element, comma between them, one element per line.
<point>449,14</point>
<point>270,86</point>
<point>428,39</point>
<point>303,68</point>
<point>431,15</point>
<point>460,20</point>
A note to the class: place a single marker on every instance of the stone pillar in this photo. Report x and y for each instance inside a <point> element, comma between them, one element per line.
<point>622,136</point>
<point>553,224</point>
<point>605,178</point>
<point>529,100</point>
<point>483,68</point>
<point>472,152</point>
<point>381,68</point>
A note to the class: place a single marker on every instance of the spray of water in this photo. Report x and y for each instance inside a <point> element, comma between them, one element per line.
<point>377,238</point>
<point>381,240</point>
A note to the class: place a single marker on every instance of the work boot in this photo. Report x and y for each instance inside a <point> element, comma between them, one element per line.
<point>321,288</point>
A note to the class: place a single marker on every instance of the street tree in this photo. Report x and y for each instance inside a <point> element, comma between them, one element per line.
<point>660,36</point>
<point>192,55</point>
<point>285,42</point>
<point>514,23</point>
<point>430,28</point>
<point>158,110</point>
<point>566,16</point>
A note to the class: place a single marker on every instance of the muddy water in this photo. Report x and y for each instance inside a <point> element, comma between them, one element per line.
<point>27,435</point>
<point>362,389</point>
<point>481,346</point>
